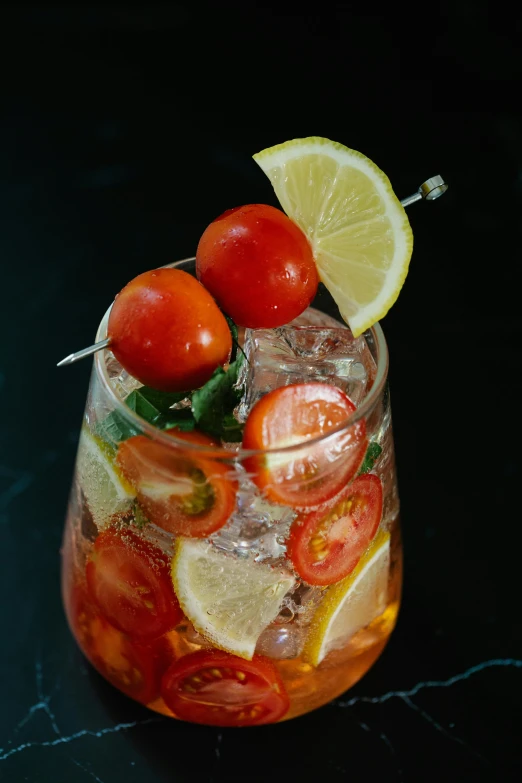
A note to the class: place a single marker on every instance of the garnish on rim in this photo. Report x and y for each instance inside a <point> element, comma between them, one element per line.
<point>359,231</point>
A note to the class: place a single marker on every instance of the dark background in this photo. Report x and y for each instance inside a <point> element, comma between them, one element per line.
<point>123,132</point>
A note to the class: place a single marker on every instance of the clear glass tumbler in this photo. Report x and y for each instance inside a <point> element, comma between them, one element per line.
<point>232,587</point>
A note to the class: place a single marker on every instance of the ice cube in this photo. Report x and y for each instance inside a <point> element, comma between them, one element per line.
<point>194,637</point>
<point>120,380</point>
<point>285,636</point>
<point>303,351</point>
<point>303,602</point>
<point>159,538</point>
<point>257,528</point>
<point>251,534</point>
<point>313,317</point>
<point>272,547</point>
<point>281,641</point>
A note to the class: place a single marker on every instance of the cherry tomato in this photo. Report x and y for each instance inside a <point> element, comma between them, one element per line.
<point>129,580</point>
<point>179,491</point>
<point>84,617</point>
<point>292,415</point>
<point>135,668</point>
<point>219,689</point>
<point>166,330</point>
<point>258,265</point>
<point>325,545</point>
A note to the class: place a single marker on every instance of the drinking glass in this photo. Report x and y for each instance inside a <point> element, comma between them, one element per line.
<point>211,583</point>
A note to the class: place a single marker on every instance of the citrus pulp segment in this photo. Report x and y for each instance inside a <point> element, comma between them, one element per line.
<point>230,601</point>
<point>106,490</point>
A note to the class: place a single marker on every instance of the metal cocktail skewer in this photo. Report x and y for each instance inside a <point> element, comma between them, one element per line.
<point>74,357</point>
<point>429,191</point>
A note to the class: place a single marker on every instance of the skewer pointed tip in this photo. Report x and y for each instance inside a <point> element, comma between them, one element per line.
<point>68,360</point>
<point>74,357</point>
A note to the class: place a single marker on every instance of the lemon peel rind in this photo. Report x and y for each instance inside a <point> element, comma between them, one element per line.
<point>314,650</point>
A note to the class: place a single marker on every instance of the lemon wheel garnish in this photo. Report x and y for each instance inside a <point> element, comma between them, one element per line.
<point>359,231</point>
<point>352,603</point>
<point>106,490</point>
<point>229,601</point>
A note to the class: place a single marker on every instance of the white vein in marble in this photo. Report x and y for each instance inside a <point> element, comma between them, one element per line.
<point>404,695</point>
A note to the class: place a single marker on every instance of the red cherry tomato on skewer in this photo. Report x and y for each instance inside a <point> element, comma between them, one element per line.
<point>167,331</point>
<point>258,265</point>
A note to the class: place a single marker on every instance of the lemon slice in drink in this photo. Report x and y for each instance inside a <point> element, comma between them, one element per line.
<point>229,601</point>
<point>359,232</point>
<point>105,489</point>
<point>352,603</point>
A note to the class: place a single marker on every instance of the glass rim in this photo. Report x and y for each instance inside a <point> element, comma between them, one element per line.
<point>171,440</point>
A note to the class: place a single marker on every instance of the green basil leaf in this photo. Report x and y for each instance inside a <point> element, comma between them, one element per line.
<point>141,405</point>
<point>370,458</point>
<point>214,403</point>
<point>232,430</point>
<point>183,420</point>
<point>233,331</point>
<point>212,407</point>
<point>162,401</point>
<point>115,428</point>
<point>140,520</point>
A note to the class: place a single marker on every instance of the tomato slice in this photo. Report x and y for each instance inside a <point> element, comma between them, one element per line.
<point>290,416</point>
<point>326,544</point>
<point>180,492</point>
<point>219,689</point>
<point>129,580</point>
<point>134,668</point>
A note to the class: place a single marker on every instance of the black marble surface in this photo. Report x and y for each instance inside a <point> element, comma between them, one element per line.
<point>123,132</point>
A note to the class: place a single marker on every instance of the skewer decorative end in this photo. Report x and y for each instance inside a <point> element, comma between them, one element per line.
<point>429,191</point>
<point>433,188</point>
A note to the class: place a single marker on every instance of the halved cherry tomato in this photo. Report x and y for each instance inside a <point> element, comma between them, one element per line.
<point>135,668</point>
<point>129,580</point>
<point>326,544</point>
<point>258,265</point>
<point>290,416</point>
<point>167,331</point>
<point>180,491</point>
<point>219,689</point>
